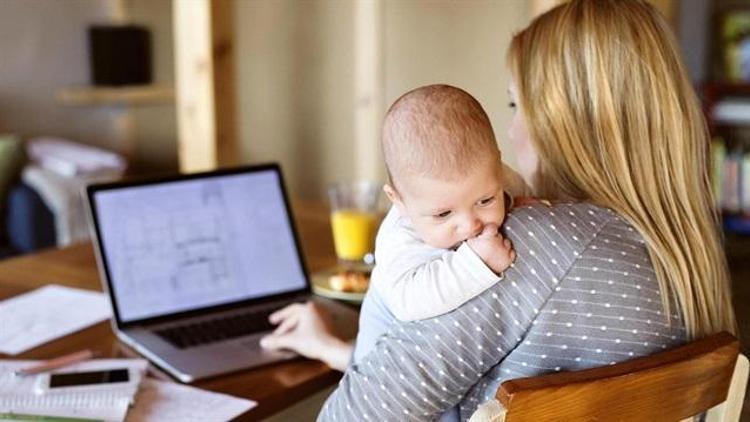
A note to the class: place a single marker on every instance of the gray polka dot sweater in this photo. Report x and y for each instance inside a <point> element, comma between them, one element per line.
<point>582,293</point>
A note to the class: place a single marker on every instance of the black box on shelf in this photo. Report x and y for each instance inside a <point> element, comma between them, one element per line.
<point>120,55</point>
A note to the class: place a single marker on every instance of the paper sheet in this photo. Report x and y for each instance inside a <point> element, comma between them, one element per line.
<point>171,402</point>
<point>47,313</point>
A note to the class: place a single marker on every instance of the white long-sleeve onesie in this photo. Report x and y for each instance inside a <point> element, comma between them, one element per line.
<point>417,281</point>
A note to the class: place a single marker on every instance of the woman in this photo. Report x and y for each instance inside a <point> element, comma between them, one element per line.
<point>605,118</point>
<point>618,124</point>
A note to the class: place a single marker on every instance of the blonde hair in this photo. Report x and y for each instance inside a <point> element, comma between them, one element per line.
<point>615,121</point>
<point>437,130</point>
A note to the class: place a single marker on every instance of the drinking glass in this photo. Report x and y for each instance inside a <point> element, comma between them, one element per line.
<point>354,220</point>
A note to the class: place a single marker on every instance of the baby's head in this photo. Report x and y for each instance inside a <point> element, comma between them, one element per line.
<point>443,164</point>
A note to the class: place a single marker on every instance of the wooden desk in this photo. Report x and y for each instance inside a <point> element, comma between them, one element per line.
<point>274,387</point>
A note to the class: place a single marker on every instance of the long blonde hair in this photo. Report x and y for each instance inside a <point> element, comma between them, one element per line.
<point>615,121</point>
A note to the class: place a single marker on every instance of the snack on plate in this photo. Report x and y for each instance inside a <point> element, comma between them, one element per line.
<point>350,281</point>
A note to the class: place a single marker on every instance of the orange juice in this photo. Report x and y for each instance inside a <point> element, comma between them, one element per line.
<point>353,233</point>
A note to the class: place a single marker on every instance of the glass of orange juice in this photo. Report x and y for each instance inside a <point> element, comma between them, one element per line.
<point>354,220</point>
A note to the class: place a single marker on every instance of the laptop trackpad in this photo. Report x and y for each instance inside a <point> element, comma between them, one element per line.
<point>253,345</point>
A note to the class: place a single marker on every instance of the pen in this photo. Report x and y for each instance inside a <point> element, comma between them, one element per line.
<point>55,363</point>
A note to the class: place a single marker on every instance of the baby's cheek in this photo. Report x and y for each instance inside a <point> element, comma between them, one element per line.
<point>434,237</point>
<point>444,241</point>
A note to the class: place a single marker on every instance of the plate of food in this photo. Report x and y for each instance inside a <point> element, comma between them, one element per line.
<point>343,284</point>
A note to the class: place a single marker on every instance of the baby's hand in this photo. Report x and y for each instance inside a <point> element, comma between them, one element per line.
<point>495,250</point>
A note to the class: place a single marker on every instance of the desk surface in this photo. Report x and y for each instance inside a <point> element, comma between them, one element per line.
<point>274,387</point>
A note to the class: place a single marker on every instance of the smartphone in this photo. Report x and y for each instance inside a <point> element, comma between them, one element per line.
<point>73,379</point>
<point>84,380</point>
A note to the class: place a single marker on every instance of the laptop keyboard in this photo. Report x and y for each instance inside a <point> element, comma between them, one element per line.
<point>218,329</point>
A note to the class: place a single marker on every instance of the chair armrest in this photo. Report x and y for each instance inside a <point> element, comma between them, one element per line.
<point>655,385</point>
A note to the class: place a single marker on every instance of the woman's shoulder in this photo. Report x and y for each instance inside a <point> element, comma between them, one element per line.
<point>566,211</point>
<point>582,216</point>
<point>570,226</point>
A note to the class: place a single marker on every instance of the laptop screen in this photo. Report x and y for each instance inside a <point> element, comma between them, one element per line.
<point>188,244</point>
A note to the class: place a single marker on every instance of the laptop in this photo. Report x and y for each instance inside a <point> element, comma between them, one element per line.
<point>194,264</point>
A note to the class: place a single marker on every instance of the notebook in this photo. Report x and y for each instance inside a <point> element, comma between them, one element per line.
<point>21,394</point>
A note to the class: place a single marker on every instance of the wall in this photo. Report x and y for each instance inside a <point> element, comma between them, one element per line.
<point>295,93</point>
<point>44,47</point>
<point>295,66</point>
<point>458,43</point>
<point>295,74</point>
<point>156,125</point>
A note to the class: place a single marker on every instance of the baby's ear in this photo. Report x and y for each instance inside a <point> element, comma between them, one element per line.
<point>394,197</point>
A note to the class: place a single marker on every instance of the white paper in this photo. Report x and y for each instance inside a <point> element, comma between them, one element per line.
<point>109,403</point>
<point>48,313</point>
<point>171,402</point>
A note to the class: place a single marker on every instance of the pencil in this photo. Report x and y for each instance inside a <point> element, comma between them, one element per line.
<point>55,363</point>
<point>38,418</point>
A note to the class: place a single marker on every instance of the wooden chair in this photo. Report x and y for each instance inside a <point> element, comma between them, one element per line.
<point>704,375</point>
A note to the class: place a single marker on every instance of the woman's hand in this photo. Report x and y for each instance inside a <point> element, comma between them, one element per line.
<point>306,328</point>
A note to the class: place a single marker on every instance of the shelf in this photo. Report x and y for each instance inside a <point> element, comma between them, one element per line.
<point>727,88</point>
<point>731,111</point>
<point>737,249</point>
<point>126,95</point>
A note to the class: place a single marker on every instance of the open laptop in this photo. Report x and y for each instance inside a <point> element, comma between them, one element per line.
<point>194,264</point>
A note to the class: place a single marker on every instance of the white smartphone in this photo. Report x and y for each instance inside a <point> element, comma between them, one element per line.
<point>86,380</point>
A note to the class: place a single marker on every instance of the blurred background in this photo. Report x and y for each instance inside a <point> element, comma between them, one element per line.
<point>299,93</point>
<point>93,89</point>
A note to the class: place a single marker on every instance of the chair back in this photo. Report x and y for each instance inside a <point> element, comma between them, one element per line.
<point>667,386</point>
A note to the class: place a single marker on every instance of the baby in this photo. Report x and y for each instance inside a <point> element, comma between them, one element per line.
<point>439,245</point>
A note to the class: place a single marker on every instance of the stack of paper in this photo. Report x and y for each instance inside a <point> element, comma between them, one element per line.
<point>54,311</point>
<point>48,313</point>
<point>70,158</point>
<point>21,395</point>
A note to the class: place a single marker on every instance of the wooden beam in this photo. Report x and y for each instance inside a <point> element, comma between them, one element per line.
<point>227,148</point>
<point>118,11</point>
<point>368,89</point>
<point>204,61</point>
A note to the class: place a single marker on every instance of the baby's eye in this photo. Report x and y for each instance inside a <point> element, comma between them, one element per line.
<point>512,104</point>
<point>442,214</point>
<point>487,201</point>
